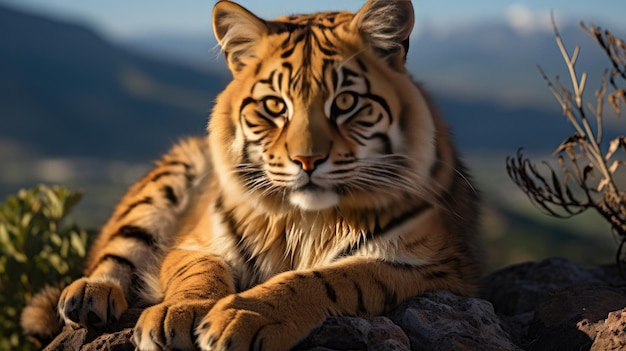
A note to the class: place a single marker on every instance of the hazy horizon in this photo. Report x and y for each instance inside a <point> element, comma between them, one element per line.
<point>124,20</point>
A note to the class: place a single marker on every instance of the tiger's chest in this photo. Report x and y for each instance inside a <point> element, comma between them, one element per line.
<point>257,246</point>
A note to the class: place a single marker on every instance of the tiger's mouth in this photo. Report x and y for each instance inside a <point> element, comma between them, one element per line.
<point>312,197</point>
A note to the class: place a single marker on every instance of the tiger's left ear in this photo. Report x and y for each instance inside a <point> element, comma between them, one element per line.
<point>386,26</point>
<point>237,30</point>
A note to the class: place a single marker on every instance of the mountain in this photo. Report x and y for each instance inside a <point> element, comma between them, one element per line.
<point>67,92</point>
<point>491,61</point>
<point>486,61</point>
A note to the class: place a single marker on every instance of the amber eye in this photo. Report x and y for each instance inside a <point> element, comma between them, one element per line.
<point>345,102</point>
<point>274,106</point>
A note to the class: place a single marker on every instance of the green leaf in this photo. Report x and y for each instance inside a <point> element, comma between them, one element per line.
<point>37,248</point>
<point>79,243</point>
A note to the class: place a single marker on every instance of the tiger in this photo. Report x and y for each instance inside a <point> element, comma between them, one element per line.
<point>328,184</point>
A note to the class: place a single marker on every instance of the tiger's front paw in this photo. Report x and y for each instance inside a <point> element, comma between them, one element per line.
<point>236,323</point>
<point>170,326</point>
<point>92,302</point>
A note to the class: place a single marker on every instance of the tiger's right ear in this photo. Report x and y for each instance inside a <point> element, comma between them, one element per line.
<point>237,30</point>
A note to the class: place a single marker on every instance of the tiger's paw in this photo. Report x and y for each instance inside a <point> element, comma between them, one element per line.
<point>169,326</point>
<point>92,302</point>
<point>235,323</point>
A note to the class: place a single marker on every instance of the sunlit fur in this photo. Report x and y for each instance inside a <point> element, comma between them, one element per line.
<point>328,184</point>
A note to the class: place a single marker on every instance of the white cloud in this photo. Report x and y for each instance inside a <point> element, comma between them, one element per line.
<point>526,21</point>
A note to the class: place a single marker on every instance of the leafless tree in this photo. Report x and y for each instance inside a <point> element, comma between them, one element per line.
<point>588,167</point>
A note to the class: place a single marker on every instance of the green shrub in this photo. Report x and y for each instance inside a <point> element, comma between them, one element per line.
<point>37,248</point>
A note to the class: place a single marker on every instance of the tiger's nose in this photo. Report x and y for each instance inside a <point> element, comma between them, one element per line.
<point>308,163</point>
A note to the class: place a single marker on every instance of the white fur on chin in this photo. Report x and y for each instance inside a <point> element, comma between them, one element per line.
<point>314,200</point>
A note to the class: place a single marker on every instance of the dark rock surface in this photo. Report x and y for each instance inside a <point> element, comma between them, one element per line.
<point>443,321</point>
<point>548,305</point>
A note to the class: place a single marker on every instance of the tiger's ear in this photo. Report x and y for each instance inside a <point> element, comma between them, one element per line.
<point>386,26</point>
<point>237,30</point>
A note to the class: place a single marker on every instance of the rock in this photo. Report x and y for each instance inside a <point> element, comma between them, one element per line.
<point>443,321</point>
<point>520,288</point>
<point>552,304</point>
<point>118,341</point>
<point>558,305</point>
<point>569,318</point>
<point>68,340</point>
<point>611,332</point>
<point>435,321</point>
<point>517,291</point>
<point>116,336</point>
<point>354,333</point>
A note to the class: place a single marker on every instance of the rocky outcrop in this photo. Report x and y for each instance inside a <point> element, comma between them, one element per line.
<point>548,305</point>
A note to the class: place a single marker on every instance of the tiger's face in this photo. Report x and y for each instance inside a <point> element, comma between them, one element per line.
<point>313,150</point>
<point>315,115</point>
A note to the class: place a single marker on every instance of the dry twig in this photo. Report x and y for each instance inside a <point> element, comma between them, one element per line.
<point>586,178</point>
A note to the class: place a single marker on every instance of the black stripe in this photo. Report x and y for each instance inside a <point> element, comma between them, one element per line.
<point>356,114</point>
<point>330,291</point>
<point>288,52</point>
<point>196,262</point>
<point>118,260</point>
<point>384,139</point>
<point>251,125</point>
<point>397,221</point>
<point>193,275</point>
<point>256,72</point>
<point>432,271</point>
<point>145,201</point>
<point>381,231</point>
<point>362,310</point>
<point>289,287</point>
<point>228,218</point>
<point>137,233</point>
<point>280,81</point>
<point>382,102</point>
<point>245,103</point>
<point>162,330</point>
<point>391,299</point>
<point>164,174</point>
<point>361,65</point>
<point>177,163</point>
<point>437,275</point>
<point>168,191</point>
<point>449,260</point>
<point>437,164</point>
<point>111,306</point>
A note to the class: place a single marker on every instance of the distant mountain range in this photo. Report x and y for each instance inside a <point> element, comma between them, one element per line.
<point>67,92</point>
<point>482,61</point>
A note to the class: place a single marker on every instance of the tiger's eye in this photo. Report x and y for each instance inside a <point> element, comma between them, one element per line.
<point>345,102</point>
<point>274,106</point>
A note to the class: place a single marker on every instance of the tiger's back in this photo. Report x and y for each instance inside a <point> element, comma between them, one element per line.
<point>328,185</point>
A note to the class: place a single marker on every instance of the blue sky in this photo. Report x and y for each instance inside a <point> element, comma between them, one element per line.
<point>130,18</point>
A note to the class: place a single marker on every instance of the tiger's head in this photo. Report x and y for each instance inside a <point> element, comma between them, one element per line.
<point>321,112</point>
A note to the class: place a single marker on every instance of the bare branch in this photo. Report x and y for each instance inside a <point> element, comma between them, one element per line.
<point>586,179</point>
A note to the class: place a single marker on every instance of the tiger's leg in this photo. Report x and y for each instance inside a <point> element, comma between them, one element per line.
<point>277,314</point>
<point>193,282</point>
<point>131,244</point>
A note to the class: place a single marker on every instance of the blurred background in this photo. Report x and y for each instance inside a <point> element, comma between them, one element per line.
<point>92,91</point>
